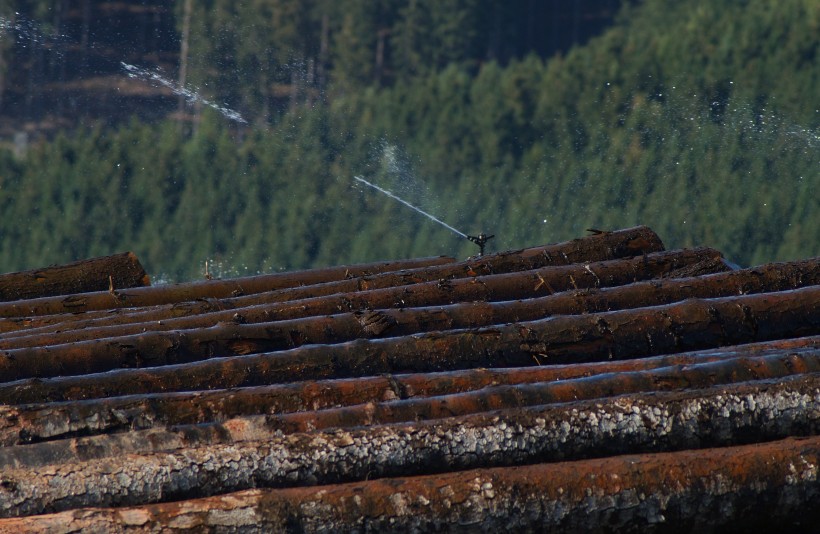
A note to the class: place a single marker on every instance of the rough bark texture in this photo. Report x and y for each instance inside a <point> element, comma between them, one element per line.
<point>737,489</point>
<point>101,299</point>
<point>662,421</point>
<point>499,397</point>
<point>689,325</point>
<point>527,285</point>
<point>20,424</point>
<point>623,243</point>
<point>115,272</point>
<point>235,338</point>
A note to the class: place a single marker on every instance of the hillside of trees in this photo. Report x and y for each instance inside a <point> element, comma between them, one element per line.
<point>699,119</point>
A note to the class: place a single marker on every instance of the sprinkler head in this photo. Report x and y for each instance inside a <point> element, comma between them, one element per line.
<point>480,240</point>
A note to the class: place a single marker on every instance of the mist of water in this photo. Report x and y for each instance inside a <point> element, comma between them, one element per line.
<point>391,195</point>
<point>155,77</point>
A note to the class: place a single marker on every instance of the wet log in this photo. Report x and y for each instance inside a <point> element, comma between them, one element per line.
<point>689,325</point>
<point>609,245</point>
<point>105,273</point>
<point>716,416</point>
<point>504,397</point>
<point>100,299</point>
<point>20,424</point>
<point>508,286</point>
<point>374,324</point>
<point>524,285</point>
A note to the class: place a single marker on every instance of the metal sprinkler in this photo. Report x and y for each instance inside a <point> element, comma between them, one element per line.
<point>480,240</point>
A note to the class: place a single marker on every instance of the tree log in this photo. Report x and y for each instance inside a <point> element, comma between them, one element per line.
<point>388,323</point>
<point>101,299</point>
<point>752,488</point>
<point>20,424</point>
<point>610,245</point>
<point>96,274</point>
<point>643,423</point>
<point>290,304</point>
<point>501,397</point>
<point>689,325</point>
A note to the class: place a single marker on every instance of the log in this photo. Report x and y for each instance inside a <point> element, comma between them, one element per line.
<point>507,286</point>
<point>369,324</point>
<point>689,325</point>
<point>610,245</point>
<point>102,299</point>
<point>716,416</point>
<point>504,397</point>
<point>758,488</point>
<point>119,271</point>
<point>22,424</point>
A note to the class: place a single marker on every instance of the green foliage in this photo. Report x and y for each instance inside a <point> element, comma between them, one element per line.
<point>698,119</point>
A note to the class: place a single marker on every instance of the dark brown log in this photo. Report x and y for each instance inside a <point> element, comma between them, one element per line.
<point>689,325</point>
<point>40,422</point>
<point>610,245</point>
<point>661,421</point>
<point>524,285</point>
<point>503,397</point>
<point>96,299</point>
<point>498,287</point>
<point>234,337</point>
<point>115,272</point>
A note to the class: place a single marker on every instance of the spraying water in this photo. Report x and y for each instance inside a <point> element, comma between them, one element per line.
<point>391,195</point>
<point>189,94</point>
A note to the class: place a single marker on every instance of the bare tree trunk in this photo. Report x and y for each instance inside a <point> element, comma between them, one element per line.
<point>635,424</point>
<point>97,274</point>
<point>22,424</point>
<point>397,322</point>
<point>183,52</point>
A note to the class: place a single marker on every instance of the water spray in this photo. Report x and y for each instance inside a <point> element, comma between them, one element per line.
<point>480,240</point>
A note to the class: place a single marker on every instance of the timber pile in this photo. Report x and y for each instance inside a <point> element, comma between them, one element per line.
<point>598,385</point>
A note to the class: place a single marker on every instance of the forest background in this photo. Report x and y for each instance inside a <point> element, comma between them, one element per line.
<point>531,120</point>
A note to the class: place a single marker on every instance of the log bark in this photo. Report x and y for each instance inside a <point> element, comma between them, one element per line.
<point>96,274</point>
<point>689,325</point>
<point>751,488</point>
<point>504,287</point>
<point>288,304</point>
<point>22,424</point>
<point>100,298</point>
<point>636,424</point>
<point>610,245</point>
<point>500,397</point>
<point>367,324</point>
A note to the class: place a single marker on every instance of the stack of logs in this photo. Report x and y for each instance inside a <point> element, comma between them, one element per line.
<point>602,384</point>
